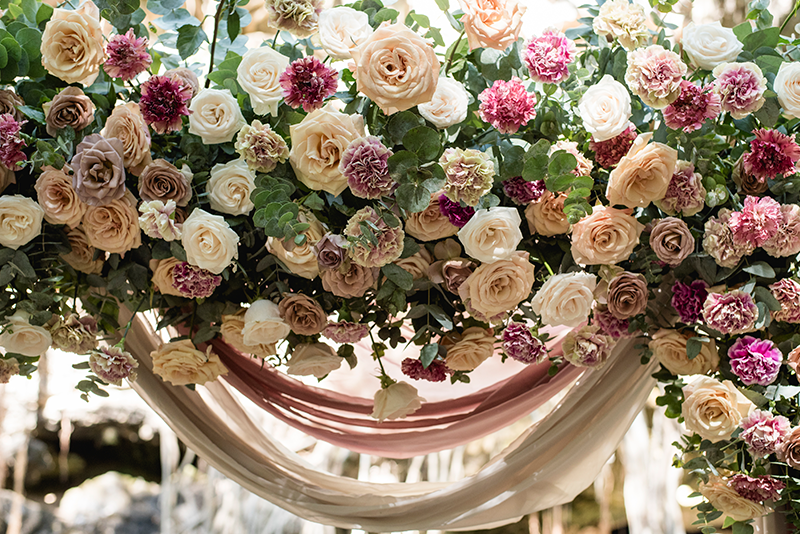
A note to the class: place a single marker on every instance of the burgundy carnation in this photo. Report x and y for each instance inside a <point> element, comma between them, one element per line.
<point>437,371</point>
<point>308,82</point>
<point>164,103</point>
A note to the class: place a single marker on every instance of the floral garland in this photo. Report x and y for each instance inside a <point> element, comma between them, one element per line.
<point>358,179</point>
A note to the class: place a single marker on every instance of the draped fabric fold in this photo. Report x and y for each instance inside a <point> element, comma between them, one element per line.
<point>548,465</point>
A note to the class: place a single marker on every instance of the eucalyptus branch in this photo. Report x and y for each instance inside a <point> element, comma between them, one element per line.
<point>217,18</point>
<point>453,52</point>
<point>790,16</point>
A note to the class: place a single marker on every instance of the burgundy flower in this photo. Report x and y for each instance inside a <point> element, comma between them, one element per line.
<point>164,103</point>
<point>692,107</point>
<point>522,192</point>
<point>457,214</point>
<point>771,154</point>
<point>757,489</point>
<point>610,325</point>
<point>11,144</point>
<point>688,299</point>
<point>308,82</point>
<point>521,345</point>
<point>194,282</point>
<point>437,371</point>
<point>609,152</point>
<point>127,56</point>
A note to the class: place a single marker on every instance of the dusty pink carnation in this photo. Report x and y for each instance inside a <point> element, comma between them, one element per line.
<point>733,312</point>
<point>112,365</point>
<point>764,432</point>
<point>609,152</point>
<point>194,282</point>
<point>740,87</point>
<point>787,292</point>
<point>655,74</point>
<point>437,371</point>
<point>346,332</point>
<point>389,240</point>
<point>364,164</point>
<point>718,241</point>
<point>772,154</point>
<point>11,144</point>
<point>610,325</point>
<point>127,56</point>
<point>164,102</point>
<point>757,489</point>
<point>521,345</point>
<point>685,193</point>
<point>523,192</point>
<point>548,57</point>
<point>787,241</point>
<point>688,299</point>
<point>755,361</point>
<point>308,82</point>
<point>757,223</point>
<point>507,105</point>
<point>692,107</point>
<point>587,347</point>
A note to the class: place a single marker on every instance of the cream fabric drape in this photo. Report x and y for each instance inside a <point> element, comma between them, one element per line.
<point>548,465</point>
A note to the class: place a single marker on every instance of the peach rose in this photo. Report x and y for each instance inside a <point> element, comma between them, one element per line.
<point>216,116</point>
<point>162,276</point>
<point>263,324</point>
<point>127,124</point>
<point>728,501</point>
<point>72,44</point>
<point>81,257</point>
<point>793,359</point>
<point>115,226</point>
<point>303,314</point>
<point>565,299</point>
<point>713,409</point>
<point>430,224</point>
<point>492,23</point>
<point>231,332</point>
<point>342,29</point>
<point>396,402</point>
<point>180,363</point>
<point>300,260</point>
<point>350,280</point>
<point>669,347</point>
<point>230,186</point>
<point>474,347</point>
<point>642,175</point>
<point>20,220</point>
<point>546,216</point>
<point>496,288</point>
<point>396,68</point>
<point>315,359</point>
<point>209,241</point>
<point>492,235</point>
<point>21,337</point>
<point>58,199</point>
<point>607,236</point>
<point>417,264</point>
<point>258,74</point>
<point>448,106</point>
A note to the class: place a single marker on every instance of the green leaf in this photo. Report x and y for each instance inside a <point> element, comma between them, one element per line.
<point>22,263</point>
<point>163,7</point>
<point>444,5</point>
<point>410,247</point>
<point>535,168</point>
<point>694,345</point>
<point>741,31</point>
<point>567,181</point>
<point>412,198</point>
<point>386,14</point>
<point>402,278</point>
<point>739,527</point>
<point>428,354</point>
<point>765,295</point>
<point>400,164</point>
<point>768,37</point>
<point>3,57</point>
<point>177,251</point>
<point>441,317</point>
<point>189,40</point>
<point>561,162</point>
<point>233,25</point>
<point>31,41</point>
<point>400,123</point>
<point>424,142</point>
<point>760,269</point>
<point>44,13</point>
<point>33,113</point>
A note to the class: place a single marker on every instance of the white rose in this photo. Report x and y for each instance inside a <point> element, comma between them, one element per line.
<point>258,74</point>
<point>605,109</point>
<point>20,220</point>
<point>713,409</point>
<point>216,116</point>
<point>317,359</point>
<point>21,337</point>
<point>492,235</point>
<point>230,186</point>
<point>709,45</point>
<point>209,241</point>
<point>396,402</point>
<point>448,105</point>
<point>565,299</point>
<point>263,324</point>
<point>341,29</point>
<point>787,86</point>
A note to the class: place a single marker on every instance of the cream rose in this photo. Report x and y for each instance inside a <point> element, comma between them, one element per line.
<point>669,347</point>
<point>475,347</point>
<point>492,23</point>
<point>643,174</point>
<point>72,44</point>
<point>430,224</point>
<point>231,332</point>
<point>21,337</point>
<point>162,276</point>
<point>709,45</point>
<point>258,74</point>
<point>315,359</point>
<point>341,29</point>
<point>494,289</point>
<point>230,186</point>
<point>728,501</point>
<point>209,241</point>
<point>317,146</point>
<point>115,226</point>
<point>396,68</point>
<point>58,199</point>
<point>605,109</point>
<point>492,235</point>
<point>396,402</point>
<point>20,220</point>
<point>216,116</point>
<point>417,264</point>
<point>180,363</point>
<point>565,299</point>
<point>81,257</point>
<point>448,106</point>
<point>301,260</point>
<point>546,216</point>
<point>787,87</point>
<point>263,324</point>
<point>713,409</point>
<point>607,236</point>
<point>127,124</point>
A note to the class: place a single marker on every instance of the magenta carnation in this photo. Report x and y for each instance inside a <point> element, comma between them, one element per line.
<point>194,282</point>
<point>308,82</point>
<point>521,191</point>
<point>733,312</point>
<point>757,489</point>
<point>688,299</point>
<point>772,154</point>
<point>457,214</point>
<point>692,107</point>
<point>755,361</point>
<point>437,371</point>
<point>127,56</point>
<point>521,345</point>
<point>507,105</point>
<point>364,164</point>
<point>610,325</point>
<point>758,221</point>
<point>609,152</point>
<point>548,57</point>
<point>346,332</point>
<point>787,292</point>
<point>164,103</point>
<point>11,144</point>
<point>763,432</point>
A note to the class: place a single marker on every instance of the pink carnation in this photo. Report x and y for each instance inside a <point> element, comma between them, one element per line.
<point>308,82</point>
<point>437,371</point>
<point>112,365</point>
<point>387,247</point>
<point>764,432</point>
<point>346,332</point>
<point>610,325</point>
<point>692,108</point>
<point>685,193</point>
<point>364,164</point>
<point>507,105</point>
<point>11,144</point>
<point>164,103</point>
<point>521,345</point>
<point>127,56</point>
<point>755,361</point>
<point>719,243</point>
<point>787,241</point>
<point>787,292</point>
<point>733,312</point>
<point>194,282</point>
<point>655,74</point>
<point>548,57</point>
<point>609,152</point>
<point>758,221</point>
<point>772,154</point>
<point>757,489</point>
<point>740,87</point>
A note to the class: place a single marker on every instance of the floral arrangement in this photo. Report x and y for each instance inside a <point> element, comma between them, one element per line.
<point>359,180</point>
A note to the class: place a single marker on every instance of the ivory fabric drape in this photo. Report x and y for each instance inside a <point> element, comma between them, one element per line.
<point>548,465</point>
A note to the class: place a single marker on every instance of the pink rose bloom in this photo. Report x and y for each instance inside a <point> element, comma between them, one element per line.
<point>740,87</point>
<point>758,221</point>
<point>764,432</point>
<point>772,154</point>
<point>787,241</point>
<point>733,312</point>
<point>718,241</point>
<point>787,292</point>
<point>685,192</point>
<point>655,74</point>
<point>548,56</point>
<point>507,105</point>
<point>692,108</point>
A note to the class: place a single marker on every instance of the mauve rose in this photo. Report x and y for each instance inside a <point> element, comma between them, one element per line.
<point>161,180</point>
<point>349,281</point>
<point>627,295</point>
<point>303,314</point>
<point>672,241</point>
<point>70,107</point>
<point>748,183</point>
<point>99,171</point>
<point>789,450</point>
<point>452,273</point>
<point>9,100</point>
<point>330,251</point>
<point>187,76</point>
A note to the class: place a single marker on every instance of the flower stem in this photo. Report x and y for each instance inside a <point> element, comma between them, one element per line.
<point>790,16</point>
<point>453,52</point>
<point>217,18</point>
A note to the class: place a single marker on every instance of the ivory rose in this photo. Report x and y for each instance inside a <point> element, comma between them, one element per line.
<point>231,332</point>
<point>72,44</point>
<point>263,324</point>
<point>258,74</point>
<point>492,23</point>
<point>71,107</point>
<point>81,257</point>
<point>492,235</point>
<point>21,337</point>
<point>162,276</point>
<point>669,347</point>
<point>474,347</point>
<point>546,216</point>
<point>728,501</point>
<point>494,289</point>
<point>127,124</point>
<point>396,68</point>
<point>605,109</point>
<point>230,186</point>
<point>448,106</point>
<point>180,363</point>
<point>430,224</point>
<point>216,116</point>
<point>115,226</point>
<point>303,314</point>
<point>209,241</point>
<point>709,45</point>
<point>20,220</point>
<point>417,264</point>
<point>643,175</point>
<point>787,87</point>
<point>713,409</point>
<point>341,29</point>
<point>315,359</point>
<point>58,198</point>
<point>607,236</point>
<point>565,299</point>
<point>301,260</point>
<point>396,402</point>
